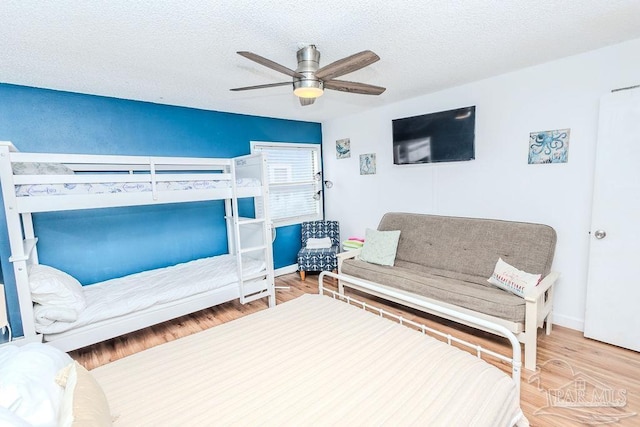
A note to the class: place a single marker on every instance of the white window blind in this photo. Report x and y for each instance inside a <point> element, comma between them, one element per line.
<point>292,168</point>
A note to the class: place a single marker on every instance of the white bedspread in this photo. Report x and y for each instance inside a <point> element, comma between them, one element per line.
<point>124,295</point>
<point>310,361</point>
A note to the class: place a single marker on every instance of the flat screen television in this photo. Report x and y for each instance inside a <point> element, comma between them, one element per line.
<point>446,136</point>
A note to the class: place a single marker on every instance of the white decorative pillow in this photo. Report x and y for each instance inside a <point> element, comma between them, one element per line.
<point>380,246</point>
<point>50,286</point>
<point>511,279</point>
<point>27,382</point>
<point>36,168</point>
<point>84,403</point>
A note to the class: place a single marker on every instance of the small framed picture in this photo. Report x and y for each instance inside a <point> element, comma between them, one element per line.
<point>549,146</point>
<point>343,148</point>
<point>368,164</point>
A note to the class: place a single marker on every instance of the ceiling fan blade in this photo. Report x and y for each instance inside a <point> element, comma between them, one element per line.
<point>270,64</point>
<point>353,87</point>
<point>347,65</point>
<point>306,101</point>
<point>261,86</point>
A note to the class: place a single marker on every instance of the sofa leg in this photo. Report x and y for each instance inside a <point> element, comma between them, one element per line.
<point>530,350</point>
<point>530,334</point>
<point>302,275</point>
<point>549,324</point>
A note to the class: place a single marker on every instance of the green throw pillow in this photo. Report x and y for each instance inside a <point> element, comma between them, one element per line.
<point>380,247</point>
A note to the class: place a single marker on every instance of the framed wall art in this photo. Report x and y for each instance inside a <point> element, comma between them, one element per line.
<point>368,164</point>
<point>343,148</point>
<point>549,146</point>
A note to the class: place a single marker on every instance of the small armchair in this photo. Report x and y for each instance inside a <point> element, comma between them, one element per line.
<point>319,259</point>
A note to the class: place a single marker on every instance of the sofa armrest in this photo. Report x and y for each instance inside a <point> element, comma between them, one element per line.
<point>349,254</point>
<point>346,255</point>
<point>542,287</point>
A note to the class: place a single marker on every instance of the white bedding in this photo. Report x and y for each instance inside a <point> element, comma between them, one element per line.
<point>124,295</point>
<point>28,393</point>
<point>28,190</point>
<point>310,361</point>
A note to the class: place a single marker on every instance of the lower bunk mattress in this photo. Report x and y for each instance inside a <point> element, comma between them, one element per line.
<point>310,361</point>
<point>133,293</point>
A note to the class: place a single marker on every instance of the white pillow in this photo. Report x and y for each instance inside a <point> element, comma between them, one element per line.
<point>36,168</point>
<point>27,382</point>
<point>511,279</point>
<point>380,246</point>
<point>46,315</point>
<point>50,286</point>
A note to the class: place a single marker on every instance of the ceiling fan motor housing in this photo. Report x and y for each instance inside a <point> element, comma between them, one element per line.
<point>308,86</point>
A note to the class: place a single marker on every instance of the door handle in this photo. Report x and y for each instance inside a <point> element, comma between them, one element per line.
<point>600,234</point>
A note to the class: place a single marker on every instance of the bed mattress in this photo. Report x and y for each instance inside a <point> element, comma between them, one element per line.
<point>28,190</point>
<point>309,361</point>
<point>136,292</point>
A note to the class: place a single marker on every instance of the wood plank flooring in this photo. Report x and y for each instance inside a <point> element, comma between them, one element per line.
<point>571,367</point>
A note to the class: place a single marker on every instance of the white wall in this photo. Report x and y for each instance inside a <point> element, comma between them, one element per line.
<point>498,183</point>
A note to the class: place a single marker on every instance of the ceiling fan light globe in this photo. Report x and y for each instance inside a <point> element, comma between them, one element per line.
<point>308,92</point>
<point>308,88</point>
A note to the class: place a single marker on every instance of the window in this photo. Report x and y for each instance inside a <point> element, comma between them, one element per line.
<point>292,187</point>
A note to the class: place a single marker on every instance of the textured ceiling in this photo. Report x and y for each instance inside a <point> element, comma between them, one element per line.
<point>183,52</point>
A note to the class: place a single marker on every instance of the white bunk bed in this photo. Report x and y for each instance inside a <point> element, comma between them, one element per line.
<point>45,182</point>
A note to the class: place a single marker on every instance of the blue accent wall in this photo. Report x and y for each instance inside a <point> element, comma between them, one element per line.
<point>101,244</point>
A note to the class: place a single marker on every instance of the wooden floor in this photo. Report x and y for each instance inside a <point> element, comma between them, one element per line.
<point>572,366</point>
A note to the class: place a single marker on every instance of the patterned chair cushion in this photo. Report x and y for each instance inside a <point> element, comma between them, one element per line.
<point>319,259</point>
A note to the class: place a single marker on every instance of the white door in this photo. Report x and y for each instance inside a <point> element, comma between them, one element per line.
<point>613,290</point>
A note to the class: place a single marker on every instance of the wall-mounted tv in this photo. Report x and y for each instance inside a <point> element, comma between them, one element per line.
<point>446,136</point>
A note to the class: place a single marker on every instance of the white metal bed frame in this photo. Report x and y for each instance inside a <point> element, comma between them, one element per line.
<point>247,237</point>
<point>515,360</point>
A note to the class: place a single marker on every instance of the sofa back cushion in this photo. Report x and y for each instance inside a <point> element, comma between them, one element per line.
<point>471,245</point>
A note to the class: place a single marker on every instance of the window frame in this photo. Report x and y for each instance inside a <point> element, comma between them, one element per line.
<point>317,184</point>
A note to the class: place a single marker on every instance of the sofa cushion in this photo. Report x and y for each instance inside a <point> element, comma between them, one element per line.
<point>469,245</point>
<point>464,290</point>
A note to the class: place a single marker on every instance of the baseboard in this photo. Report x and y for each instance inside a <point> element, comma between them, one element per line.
<point>568,322</point>
<point>285,270</point>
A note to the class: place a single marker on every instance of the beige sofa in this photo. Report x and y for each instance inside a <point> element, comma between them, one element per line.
<point>447,261</point>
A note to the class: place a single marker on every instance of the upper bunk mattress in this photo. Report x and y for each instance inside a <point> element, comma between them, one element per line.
<point>34,190</point>
<point>136,292</point>
<point>309,361</point>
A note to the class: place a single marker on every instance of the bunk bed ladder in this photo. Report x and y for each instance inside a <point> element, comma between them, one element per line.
<point>252,238</point>
<point>22,242</point>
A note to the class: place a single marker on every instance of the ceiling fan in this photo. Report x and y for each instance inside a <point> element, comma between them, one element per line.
<point>309,81</point>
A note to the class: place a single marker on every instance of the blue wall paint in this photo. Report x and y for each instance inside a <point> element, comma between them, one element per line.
<point>101,244</point>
